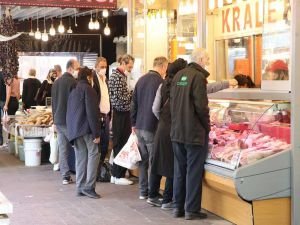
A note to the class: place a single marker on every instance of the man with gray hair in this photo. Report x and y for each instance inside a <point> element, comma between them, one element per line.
<point>190,127</point>
<point>144,123</point>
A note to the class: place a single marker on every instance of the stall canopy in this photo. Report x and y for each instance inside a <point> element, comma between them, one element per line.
<point>98,4</point>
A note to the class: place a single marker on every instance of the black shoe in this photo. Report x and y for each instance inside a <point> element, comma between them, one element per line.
<point>178,213</point>
<point>154,202</point>
<point>67,180</point>
<point>79,194</point>
<point>195,215</point>
<point>91,194</point>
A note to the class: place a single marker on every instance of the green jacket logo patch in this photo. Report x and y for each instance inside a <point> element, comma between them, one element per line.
<point>183,81</point>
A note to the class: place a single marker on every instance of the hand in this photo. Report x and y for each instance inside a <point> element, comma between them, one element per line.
<point>133,130</point>
<point>232,82</point>
<point>54,128</point>
<point>5,108</point>
<point>96,140</point>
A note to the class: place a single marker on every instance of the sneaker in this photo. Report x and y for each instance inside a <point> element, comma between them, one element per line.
<point>123,181</point>
<point>178,213</point>
<point>112,179</point>
<point>56,167</point>
<point>67,180</point>
<point>91,194</point>
<point>195,215</point>
<point>143,197</point>
<point>154,202</point>
<point>168,206</point>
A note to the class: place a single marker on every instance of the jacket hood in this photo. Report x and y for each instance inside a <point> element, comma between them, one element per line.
<point>199,68</point>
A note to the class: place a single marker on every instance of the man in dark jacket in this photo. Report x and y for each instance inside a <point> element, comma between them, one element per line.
<point>84,130</point>
<point>30,88</point>
<point>100,85</point>
<point>144,122</point>
<point>60,93</point>
<point>189,134</point>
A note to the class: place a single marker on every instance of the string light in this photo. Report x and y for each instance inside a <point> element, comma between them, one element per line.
<point>37,34</point>
<point>31,33</point>
<point>107,30</point>
<point>52,31</point>
<point>105,13</point>
<point>61,27</point>
<point>45,36</point>
<point>91,23</point>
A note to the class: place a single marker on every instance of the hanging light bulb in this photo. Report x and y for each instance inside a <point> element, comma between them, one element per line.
<point>125,10</point>
<point>91,23</point>
<point>107,30</point>
<point>31,33</point>
<point>70,31</point>
<point>45,36</point>
<point>105,13</point>
<point>76,18</point>
<point>52,31</point>
<point>61,27</point>
<point>37,34</point>
<point>96,23</point>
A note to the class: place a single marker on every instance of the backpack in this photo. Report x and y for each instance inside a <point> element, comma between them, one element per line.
<point>104,172</point>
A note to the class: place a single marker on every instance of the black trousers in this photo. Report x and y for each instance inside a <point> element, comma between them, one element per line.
<point>13,106</point>
<point>104,136</point>
<point>121,127</point>
<point>188,172</point>
<point>154,186</point>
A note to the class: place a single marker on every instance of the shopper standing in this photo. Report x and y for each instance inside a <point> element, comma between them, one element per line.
<point>100,85</point>
<point>58,70</point>
<point>83,129</point>
<point>60,93</point>
<point>30,88</point>
<point>2,101</point>
<point>144,123</point>
<point>12,96</point>
<point>190,126</point>
<point>46,88</point>
<point>120,98</point>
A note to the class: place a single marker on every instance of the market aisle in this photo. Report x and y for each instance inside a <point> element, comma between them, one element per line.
<point>39,198</point>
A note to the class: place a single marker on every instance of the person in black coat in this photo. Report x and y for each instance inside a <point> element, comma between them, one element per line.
<point>83,129</point>
<point>46,87</point>
<point>30,89</point>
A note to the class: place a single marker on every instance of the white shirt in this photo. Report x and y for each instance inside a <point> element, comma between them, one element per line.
<point>104,105</point>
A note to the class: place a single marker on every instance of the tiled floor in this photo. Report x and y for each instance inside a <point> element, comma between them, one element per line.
<point>39,198</point>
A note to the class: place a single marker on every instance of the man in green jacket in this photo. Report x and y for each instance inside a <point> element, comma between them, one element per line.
<point>189,134</point>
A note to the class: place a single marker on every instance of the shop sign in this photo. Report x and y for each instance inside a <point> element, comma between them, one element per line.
<point>101,4</point>
<point>250,16</point>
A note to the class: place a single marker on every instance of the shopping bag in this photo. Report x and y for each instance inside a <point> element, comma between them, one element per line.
<point>129,154</point>
<point>111,158</point>
<point>53,148</point>
<point>5,117</point>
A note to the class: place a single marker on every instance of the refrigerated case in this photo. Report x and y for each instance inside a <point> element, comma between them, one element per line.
<point>248,168</point>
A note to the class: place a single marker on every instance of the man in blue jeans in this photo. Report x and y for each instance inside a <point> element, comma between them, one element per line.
<point>61,89</point>
<point>190,126</point>
<point>144,122</point>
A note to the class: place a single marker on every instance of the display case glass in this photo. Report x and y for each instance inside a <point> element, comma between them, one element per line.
<point>243,132</point>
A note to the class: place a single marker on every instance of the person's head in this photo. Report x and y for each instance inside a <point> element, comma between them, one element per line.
<point>52,75</point>
<point>101,66</point>
<point>32,72</point>
<point>126,63</point>
<point>279,70</point>
<point>242,80</point>
<point>250,83</point>
<point>176,66</point>
<point>160,65</point>
<point>200,56</point>
<point>73,67</point>
<point>85,74</point>
<point>58,70</point>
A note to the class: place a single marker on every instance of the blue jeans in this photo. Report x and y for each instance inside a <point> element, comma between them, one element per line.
<point>145,143</point>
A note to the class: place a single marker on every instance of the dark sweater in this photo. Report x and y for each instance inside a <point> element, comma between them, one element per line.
<point>142,116</point>
<point>189,106</point>
<point>83,112</point>
<point>60,93</point>
<point>30,88</point>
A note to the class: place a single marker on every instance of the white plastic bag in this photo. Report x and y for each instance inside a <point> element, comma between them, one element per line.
<point>129,154</point>
<point>53,148</point>
<point>5,117</point>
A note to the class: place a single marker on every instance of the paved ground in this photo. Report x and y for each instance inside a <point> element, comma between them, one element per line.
<point>39,198</point>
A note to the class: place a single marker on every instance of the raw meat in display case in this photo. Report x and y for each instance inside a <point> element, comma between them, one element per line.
<point>243,132</point>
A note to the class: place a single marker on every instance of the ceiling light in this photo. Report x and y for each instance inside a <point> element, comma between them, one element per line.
<point>52,31</point>
<point>91,24</point>
<point>96,25</point>
<point>45,36</point>
<point>107,30</point>
<point>70,31</point>
<point>31,33</point>
<point>105,13</point>
<point>61,27</point>
<point>37,34</point>
<point>125,9</point>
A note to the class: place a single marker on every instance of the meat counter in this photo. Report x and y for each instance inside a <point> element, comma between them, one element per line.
<point>247,178</point>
